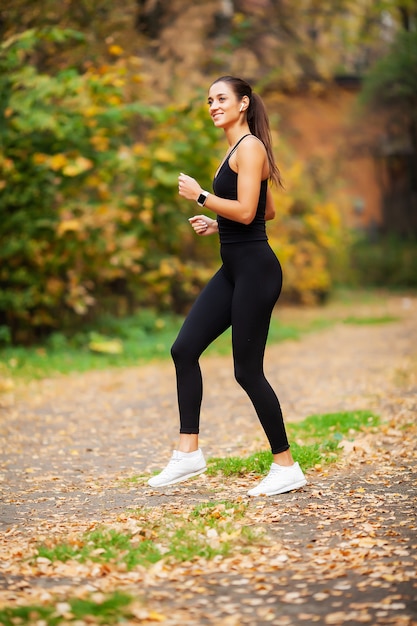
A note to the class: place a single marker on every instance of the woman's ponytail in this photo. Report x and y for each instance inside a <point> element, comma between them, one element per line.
<point>259,126</point>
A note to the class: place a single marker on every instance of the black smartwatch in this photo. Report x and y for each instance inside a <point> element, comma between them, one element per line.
<point>202,198</point>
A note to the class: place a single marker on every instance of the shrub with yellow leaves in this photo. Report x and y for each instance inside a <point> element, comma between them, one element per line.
<point>89,210</point>
<point>308,235</point>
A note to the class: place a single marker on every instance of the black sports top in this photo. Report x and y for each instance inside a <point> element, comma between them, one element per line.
<point>225,186</point>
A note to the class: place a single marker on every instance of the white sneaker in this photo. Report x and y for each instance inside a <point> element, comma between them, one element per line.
<point>181,467</point>
<point>280,480</point>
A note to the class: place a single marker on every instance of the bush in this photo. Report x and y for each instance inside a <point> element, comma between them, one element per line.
<point>308,235</point>
<point>389,261</point>
<point>90,216</point>
<point>89,209</point>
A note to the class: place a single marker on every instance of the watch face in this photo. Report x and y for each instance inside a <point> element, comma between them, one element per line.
<point>201,199</point>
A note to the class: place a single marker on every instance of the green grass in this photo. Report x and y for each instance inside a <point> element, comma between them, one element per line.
<point>105,545</point>
<point>179,537</point>
<point>113,342</point>
<point>382,319</point>
<point>107,610</point>
<point>148,336</point>
<point>314,441</point>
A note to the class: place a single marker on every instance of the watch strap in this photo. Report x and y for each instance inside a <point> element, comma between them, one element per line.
<point>202,198</point>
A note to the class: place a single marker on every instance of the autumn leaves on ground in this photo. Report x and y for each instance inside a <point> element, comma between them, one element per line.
<point>84,540</point>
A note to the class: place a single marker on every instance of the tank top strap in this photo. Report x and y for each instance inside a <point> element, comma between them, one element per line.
<point>236,145</point>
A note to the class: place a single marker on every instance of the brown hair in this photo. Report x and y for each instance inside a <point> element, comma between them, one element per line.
<point>257,118</point>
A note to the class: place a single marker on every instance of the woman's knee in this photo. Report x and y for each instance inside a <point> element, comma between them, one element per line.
<point>244,376</point>
<point>176,351</point>
<point>182,353</point>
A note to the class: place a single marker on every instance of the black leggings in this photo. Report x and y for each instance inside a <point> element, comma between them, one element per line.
<point>242,294</point>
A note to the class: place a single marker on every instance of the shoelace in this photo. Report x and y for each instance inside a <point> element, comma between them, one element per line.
<point>272,474</point>
<point>170,466</point>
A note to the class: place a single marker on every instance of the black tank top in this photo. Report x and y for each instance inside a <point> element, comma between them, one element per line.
<point>225,186</point>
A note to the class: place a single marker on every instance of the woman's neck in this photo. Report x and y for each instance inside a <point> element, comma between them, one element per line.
<point>234,134</point>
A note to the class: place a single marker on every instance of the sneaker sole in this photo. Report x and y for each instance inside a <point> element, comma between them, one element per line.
<point>180,479</point>
<point>292,487</point>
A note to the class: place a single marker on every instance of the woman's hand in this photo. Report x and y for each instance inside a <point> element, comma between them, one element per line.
<point>203,225</point>
<point>188,187</point>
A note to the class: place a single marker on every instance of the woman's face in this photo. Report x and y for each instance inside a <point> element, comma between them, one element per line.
<point>223,105</point>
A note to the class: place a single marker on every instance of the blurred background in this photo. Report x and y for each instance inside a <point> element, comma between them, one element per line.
<point>103,103</point>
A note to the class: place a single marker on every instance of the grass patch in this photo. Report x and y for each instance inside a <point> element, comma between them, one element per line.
<point>369,321</point>
<point>208,530</point>
<point>113,342</point>
<point>333,425</point>
<point>148,336</point>
<point>111,609</point>
<point>314,441</point>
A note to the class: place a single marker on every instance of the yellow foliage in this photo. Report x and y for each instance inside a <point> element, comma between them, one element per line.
<point>39,158</point>
<point>139,148</point>
<point>55,286</point>
<point>166,268</point>
<point>77,166</point>
<point>146,216</point>
<point>103,190</point>
<point>92,110</point>
<point>68,226</point>
<point>164,155</point>
<point>131,201</point>
<point>57,162</point>
<point>306,233</point>
<point>115,50</point>
<point>106,346</point>
<point>114,100</point>
<point>92,180</point>
<point>100,142</point>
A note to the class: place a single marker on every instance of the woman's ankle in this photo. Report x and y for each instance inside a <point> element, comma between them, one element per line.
<point>284,458</point>
<point>188,442</point>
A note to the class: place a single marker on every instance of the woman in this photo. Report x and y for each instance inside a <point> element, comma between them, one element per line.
<point>242,294</point>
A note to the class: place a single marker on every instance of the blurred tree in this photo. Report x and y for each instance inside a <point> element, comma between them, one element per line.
<point>149,17</point>
<point>391,88</point>
<point>88,206</point>
<point>280,43</point>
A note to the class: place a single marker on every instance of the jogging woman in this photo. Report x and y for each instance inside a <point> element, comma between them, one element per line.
<point>243,292</point>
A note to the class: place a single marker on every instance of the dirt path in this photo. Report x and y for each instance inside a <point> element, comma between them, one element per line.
<point>341,551</point>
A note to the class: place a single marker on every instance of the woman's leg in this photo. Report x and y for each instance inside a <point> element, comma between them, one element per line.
<point>255,295</point>
<point>209,317</point>
<point>256,291</point>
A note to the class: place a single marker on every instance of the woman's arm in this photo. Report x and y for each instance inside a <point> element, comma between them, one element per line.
<point>204,225</point>
<point>250,161</point>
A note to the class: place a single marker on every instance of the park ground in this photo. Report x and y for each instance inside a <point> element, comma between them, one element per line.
<point>76,452</point>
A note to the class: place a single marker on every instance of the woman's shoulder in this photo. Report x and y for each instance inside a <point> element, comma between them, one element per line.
<point>249,147</point>
<point>250,143</point>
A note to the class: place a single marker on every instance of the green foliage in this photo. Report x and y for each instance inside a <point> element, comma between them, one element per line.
<point>105,610</point>
<point>139,338</point>
<point>392,81</point>
<point>89,206</point>
<point>178,537</point>
<point>90,217</point>
<point>335,424</point>
<point>308,233</point>
<point>313,441</point>
<point>104,545</point>
<point>110,341</point>
<point>366,321</point>
<point>389,261</point>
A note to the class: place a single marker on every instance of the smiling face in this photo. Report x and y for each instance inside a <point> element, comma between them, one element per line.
<point>223,105</point>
